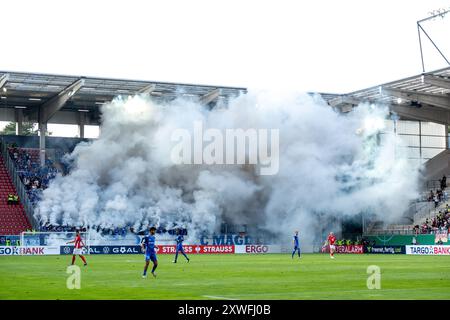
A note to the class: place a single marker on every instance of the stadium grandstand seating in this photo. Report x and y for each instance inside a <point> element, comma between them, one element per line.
<point>34,177</point>
<point>13,219</point>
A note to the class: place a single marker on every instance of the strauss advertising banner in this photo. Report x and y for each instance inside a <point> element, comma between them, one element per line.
<point>160,249</point>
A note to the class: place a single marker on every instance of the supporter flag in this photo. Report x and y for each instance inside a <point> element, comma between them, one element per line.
<point>441,235</point>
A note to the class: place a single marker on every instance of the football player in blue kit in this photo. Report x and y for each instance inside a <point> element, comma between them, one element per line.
<point>148,247</point>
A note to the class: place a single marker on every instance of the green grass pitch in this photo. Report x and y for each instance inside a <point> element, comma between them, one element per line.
<point>270,276</point>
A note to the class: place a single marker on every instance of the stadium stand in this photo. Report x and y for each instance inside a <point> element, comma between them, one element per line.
<point>34,177</point>
<point>13,219</point>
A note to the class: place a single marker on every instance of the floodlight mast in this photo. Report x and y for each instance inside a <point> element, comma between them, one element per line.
<point>434,14</point>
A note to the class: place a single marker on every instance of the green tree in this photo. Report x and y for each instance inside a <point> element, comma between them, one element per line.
<point>28,129</point>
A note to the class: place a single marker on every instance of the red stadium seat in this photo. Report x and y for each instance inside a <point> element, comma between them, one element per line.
<point>13,219</point>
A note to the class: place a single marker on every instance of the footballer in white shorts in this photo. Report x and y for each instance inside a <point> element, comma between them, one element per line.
<point>77,251</point>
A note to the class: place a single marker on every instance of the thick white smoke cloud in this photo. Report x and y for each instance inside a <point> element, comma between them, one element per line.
<point>331,165</point>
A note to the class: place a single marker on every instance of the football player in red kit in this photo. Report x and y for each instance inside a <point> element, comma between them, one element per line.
<point>331,241</point>
<point>77,250</point>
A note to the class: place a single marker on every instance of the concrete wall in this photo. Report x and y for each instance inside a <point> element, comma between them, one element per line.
<point>438,166</point>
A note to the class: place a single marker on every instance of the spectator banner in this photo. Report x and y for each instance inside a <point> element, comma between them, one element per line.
<point>385,249</point>
<point>441,235</point>
<point>428,250</point>
<point>161,249</point>
<point>28,251</point>
<point>257,249</point>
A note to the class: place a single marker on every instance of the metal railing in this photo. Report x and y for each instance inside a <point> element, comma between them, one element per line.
<point>20,187</point>
<point>417,211</point>
<point>397,230</point>
<point>425,211</point>
<point>434,184</point>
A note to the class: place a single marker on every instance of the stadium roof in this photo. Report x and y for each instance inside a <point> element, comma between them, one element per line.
<point>428,90</point>
<point>29,91</point>
<point>43,96</point>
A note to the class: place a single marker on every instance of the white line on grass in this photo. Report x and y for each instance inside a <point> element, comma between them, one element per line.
<point>220,298</point>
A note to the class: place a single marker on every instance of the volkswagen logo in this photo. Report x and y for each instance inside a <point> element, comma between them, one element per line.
<point>105,250</point>
<point>66,250</point>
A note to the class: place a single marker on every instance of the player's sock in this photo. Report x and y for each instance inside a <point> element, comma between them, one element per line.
<point>154,268</point>
<point>73,260</point>
<point>145,270</point>
<point>84,260</point>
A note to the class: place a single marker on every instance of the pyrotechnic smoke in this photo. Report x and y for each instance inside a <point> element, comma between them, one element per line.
<point>331,165</point>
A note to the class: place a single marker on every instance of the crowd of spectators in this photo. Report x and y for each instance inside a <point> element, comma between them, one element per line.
<point>48,227</point>
<point>34,177</point>
<point>13,199</point>
<point>441,222</point>
<point>9,241</point>
<point>122,231</point>
<point>440,195</point>
<point>348,242</point>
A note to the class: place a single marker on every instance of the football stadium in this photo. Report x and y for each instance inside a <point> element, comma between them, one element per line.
<point>184,191</point>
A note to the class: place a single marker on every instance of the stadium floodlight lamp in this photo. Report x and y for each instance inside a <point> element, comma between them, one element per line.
<point>4,89</point>
<point>20,107</point>
<point>441,12</point>
<point>399,100</point>
<point>416,104</point>
<point>83,110</point>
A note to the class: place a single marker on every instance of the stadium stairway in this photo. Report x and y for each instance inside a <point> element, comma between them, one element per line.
<point>433,213</point>
<point>13,219</point>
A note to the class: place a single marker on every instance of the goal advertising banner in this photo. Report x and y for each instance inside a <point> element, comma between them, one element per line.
<point>28,251</point>
<point>161,249</point>
<point>428,250</point>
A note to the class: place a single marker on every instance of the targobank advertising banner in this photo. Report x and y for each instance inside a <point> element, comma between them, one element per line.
<point>28,251</point>
<point>428,250</point>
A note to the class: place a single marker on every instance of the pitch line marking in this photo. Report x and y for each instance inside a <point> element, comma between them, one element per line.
<point>220,298</point>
